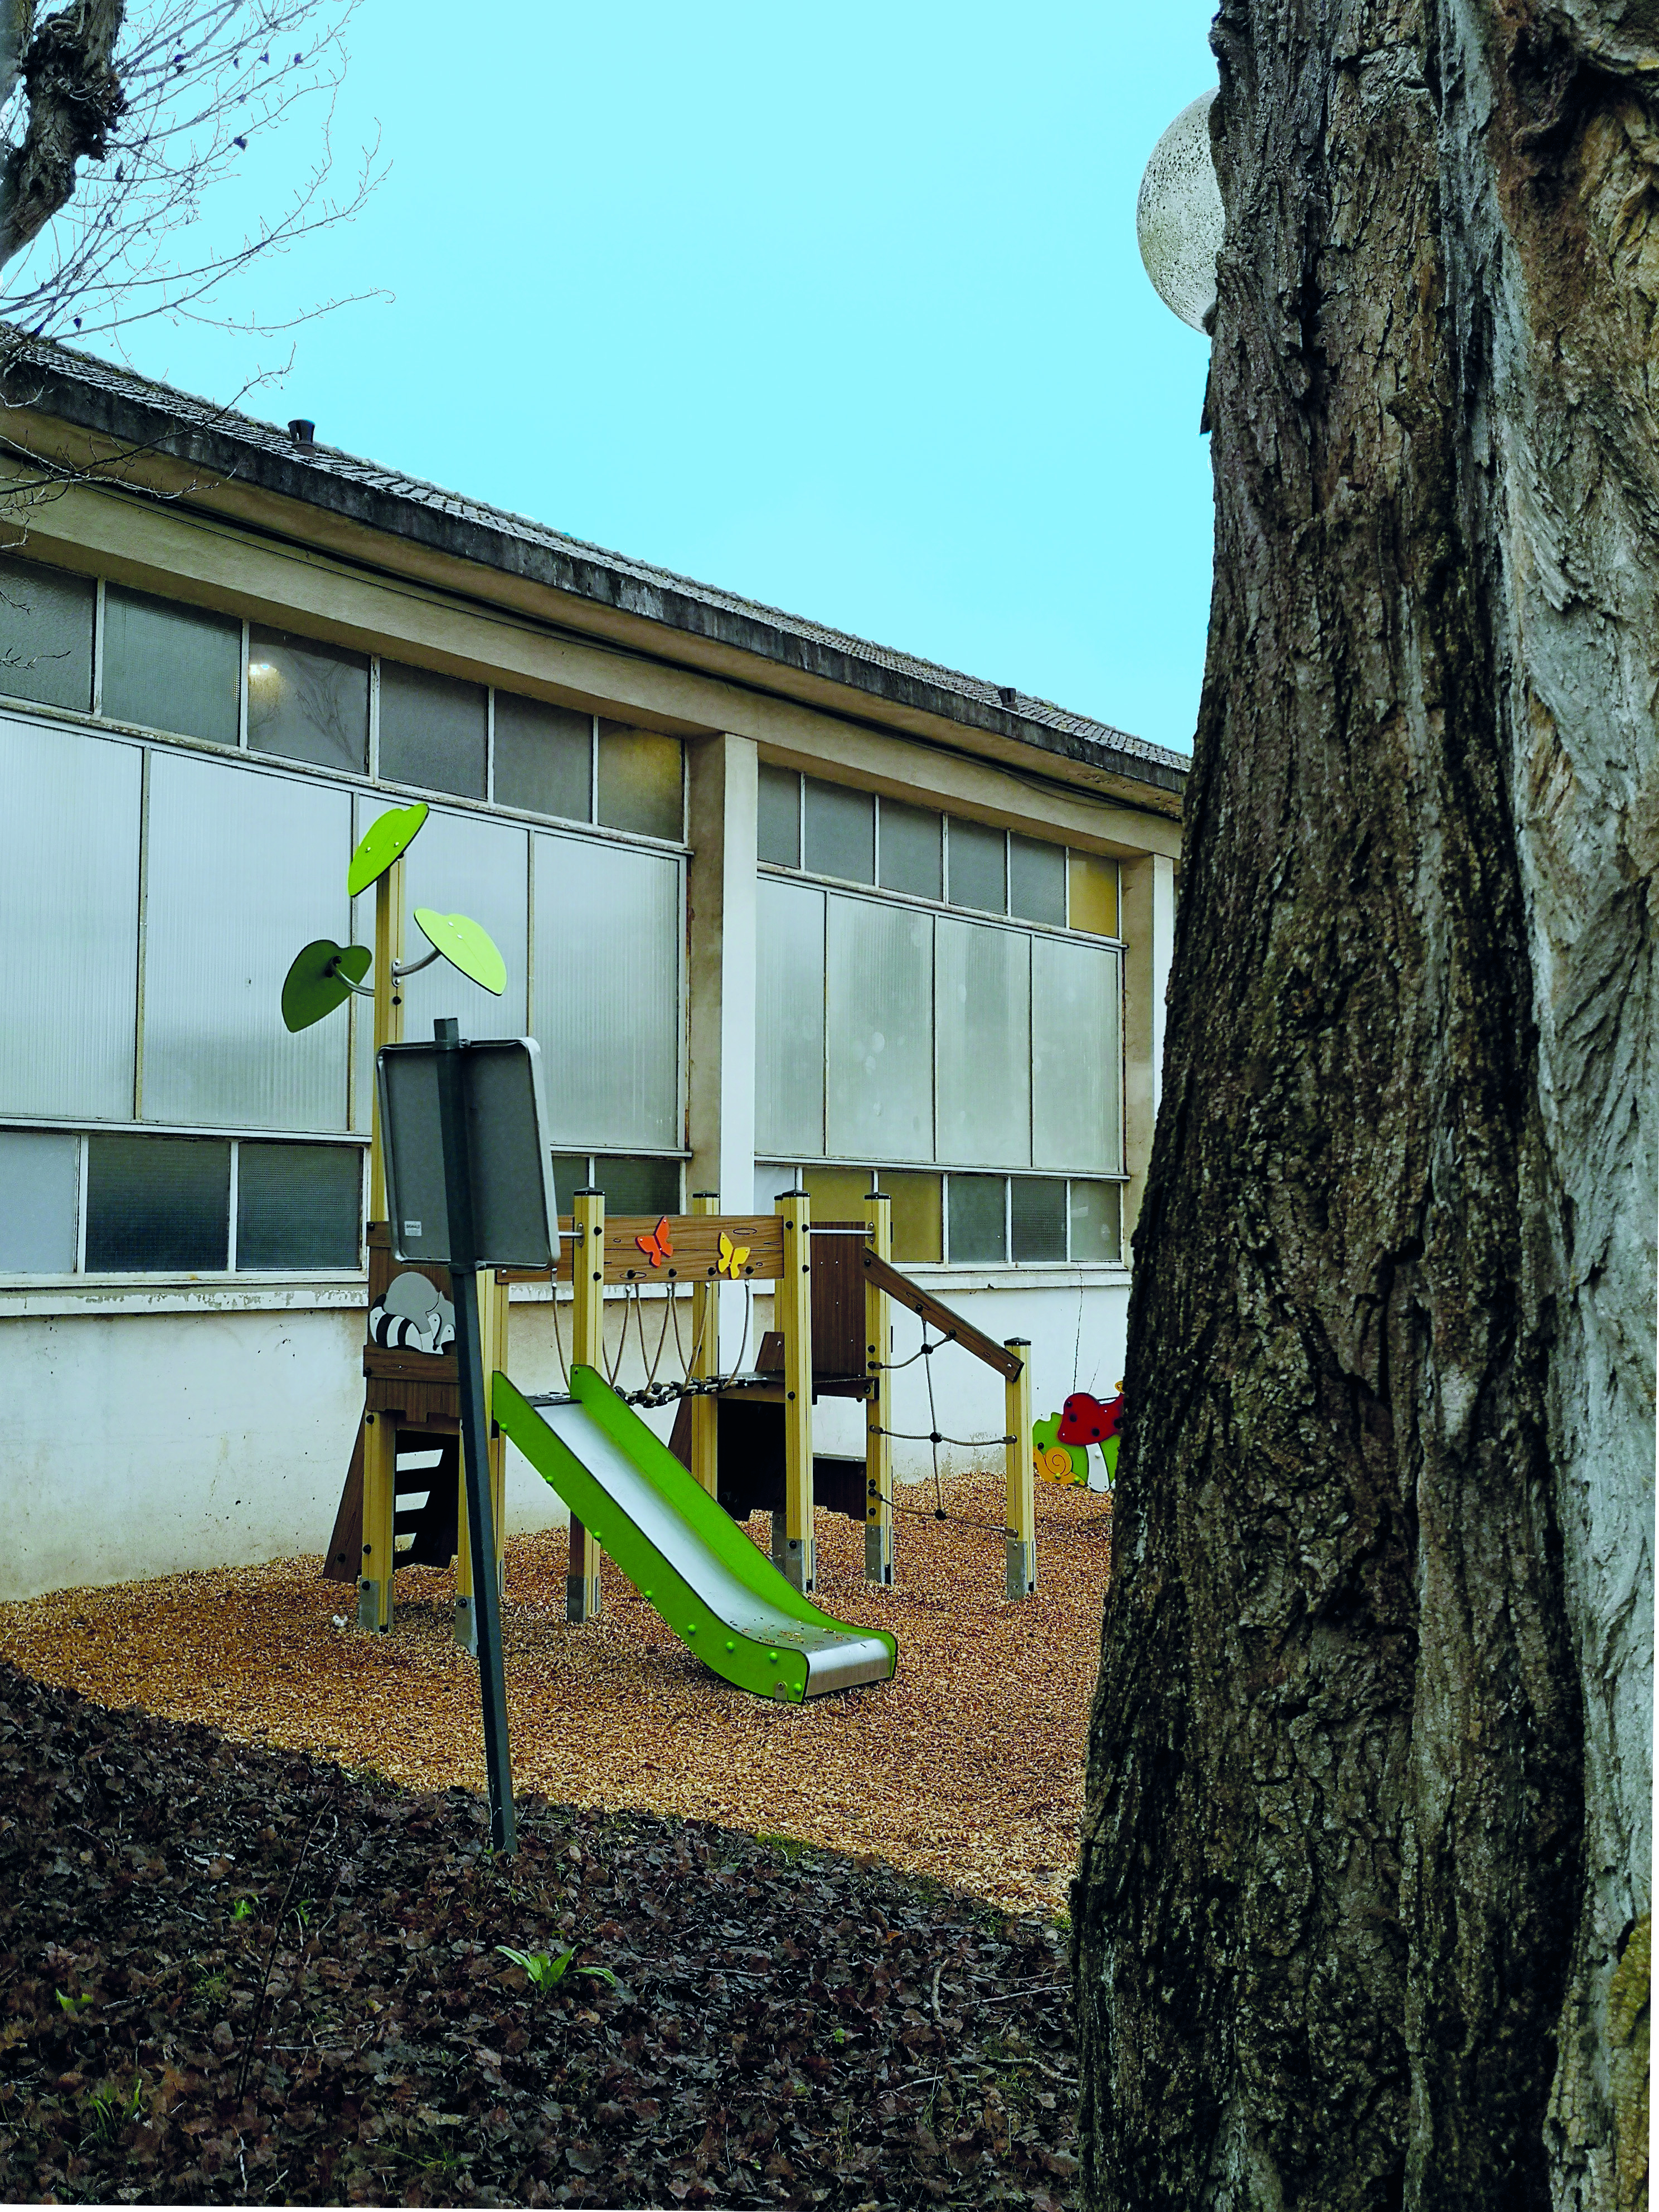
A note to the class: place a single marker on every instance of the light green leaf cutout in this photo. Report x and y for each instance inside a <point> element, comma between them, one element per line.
<point>320,979</point>
<point>382,843</point>
<point>466,945</point>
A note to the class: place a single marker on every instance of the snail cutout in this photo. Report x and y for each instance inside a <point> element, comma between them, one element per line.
<point>414,1316</point>
<point>323,975</point>
<point>1060,1444</point>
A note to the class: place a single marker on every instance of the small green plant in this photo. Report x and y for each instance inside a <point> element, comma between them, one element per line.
<point>303,1911</point>
<point>113,2110</point>
<point>73,2006</point>
<point>243,1909</point>
<point>545,1970</point>
<point>213,1988</point>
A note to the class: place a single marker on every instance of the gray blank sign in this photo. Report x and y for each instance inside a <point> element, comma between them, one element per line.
<point>515,1220</point>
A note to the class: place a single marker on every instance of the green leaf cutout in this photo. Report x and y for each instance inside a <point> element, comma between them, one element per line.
<point>381,844</point>
<point>320,979</point>
<point>466,945</point>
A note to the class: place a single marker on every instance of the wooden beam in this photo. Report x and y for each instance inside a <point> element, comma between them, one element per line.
<point>884,1276</point>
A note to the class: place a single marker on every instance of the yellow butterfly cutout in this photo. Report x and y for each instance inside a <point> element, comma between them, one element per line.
<point>731,1257</point>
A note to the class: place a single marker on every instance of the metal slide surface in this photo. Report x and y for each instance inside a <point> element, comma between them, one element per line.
<point>684,1555</point>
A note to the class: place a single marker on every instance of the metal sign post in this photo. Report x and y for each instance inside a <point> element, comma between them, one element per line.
<point>469,1185</point>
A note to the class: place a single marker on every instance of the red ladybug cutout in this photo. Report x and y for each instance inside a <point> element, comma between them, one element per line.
<point>1084,1420</point>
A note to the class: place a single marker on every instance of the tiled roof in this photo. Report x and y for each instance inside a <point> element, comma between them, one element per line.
<point>97,395</point>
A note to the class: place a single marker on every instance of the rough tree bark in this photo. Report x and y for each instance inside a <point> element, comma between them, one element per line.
<point>74,101</point>
<point>1361,1915</point>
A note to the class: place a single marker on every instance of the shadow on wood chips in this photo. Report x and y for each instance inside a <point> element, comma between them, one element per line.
<point>235,1975</point>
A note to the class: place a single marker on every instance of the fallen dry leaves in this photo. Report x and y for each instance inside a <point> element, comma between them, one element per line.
<point>968,1767</point>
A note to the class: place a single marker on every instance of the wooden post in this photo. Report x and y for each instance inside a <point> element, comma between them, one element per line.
<point>582,1588</point>
<point>1021,1502</point>
<point>388,1013</point>
<point>878,1410</point>
<point>795,1319</point>
<point>379,1504</point>
<point>705,1362</point>
<point>492,1318</point>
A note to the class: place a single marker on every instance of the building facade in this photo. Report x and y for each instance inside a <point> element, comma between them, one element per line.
<point>781,907</point>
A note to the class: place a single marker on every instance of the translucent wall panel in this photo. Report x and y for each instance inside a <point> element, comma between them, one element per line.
<point>642,779</point>
<point>307,700</point>
<point>918,1215</point>
<point>978,866</point>
<point>243,869</point>
<point>789,1019</point>
<point>638,1186</point>
<point>1036,1217</point>
<point>837,1194</point>
<point>1094,894</point>
<point>465,864</point>
<point>840,832</point>
<point>298,1206</point>
<point>40,1189</point>
<point>983,1002</point>
<point>1077,1080</point>
<point>171,667</point>
<point>912,850</point>
<point>610,923</point>
<point>879,1030</point>
<point>779,824</point>
<point>46,634</point>
<point>1036,881</point>
<point>543,758</point>
<point>69,912</point>
<point>979,1224</point>
<point>432,730</point>
<point>159,1203</point>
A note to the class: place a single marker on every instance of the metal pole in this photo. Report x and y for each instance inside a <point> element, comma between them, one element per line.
<point>475,1431</point>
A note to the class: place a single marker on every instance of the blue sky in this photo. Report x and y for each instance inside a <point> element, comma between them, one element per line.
<point>837,307</point>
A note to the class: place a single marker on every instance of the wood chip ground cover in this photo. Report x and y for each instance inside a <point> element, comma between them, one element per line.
<point>233,1971</point>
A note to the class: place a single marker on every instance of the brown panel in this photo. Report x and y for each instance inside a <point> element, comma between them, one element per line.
<point>838,1339</point>
<point>344,1555</point>
<point>695,1239</point>
<point>385,1364</point>
<point>426,1405</point>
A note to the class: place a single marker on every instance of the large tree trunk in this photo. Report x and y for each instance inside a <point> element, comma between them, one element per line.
<point>1360,1918</point>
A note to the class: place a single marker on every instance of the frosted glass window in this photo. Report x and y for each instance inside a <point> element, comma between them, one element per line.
<point>918,1216</point>
<point>841,832</point>
<point>837,1194</point>
<point>1036,1217</point>
<point>789,1018</point>
<point>171,667</point>
<point>610,924</point>
<point>570,1175</point>
<point>46,634</point>
<point>243,869</point>
<point>978,866</point>
<point>1094,885</point>
<point>40,1189</point>
<point>879,1030</point>
<point>1036,881</point>
<point>912,850</point>
<point>1097,1221</point>
<point>778,829</point>
<point>641,777</point>
<point>432,730</point>
<point>635,1186</point>
<point>1077,1091</point>
<point>543,758</point>
<point>157,1204</point>
<point>983,998</point>
<point>298,1206</point>
<point>772,1176</point>
<point>463,864</point>
<point>68,892</point>
<point>979,1230</point>
<point>307,700</point>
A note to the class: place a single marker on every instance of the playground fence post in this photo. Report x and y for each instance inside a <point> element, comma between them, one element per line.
<point>378,1538</point>
<point>794,1319</point>
<point>1022,1502</point>
<point>705,1363</point>
<point>877,1413</point>
<point>582,1590</point>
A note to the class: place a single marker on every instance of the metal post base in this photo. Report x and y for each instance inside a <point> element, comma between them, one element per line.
<point>800,1564</point>
<point>779,1546</point>
<point>373,1602</point>
<point>581,1597</point>
<point>466,1628</point>
<point>1022,1568</point>
<point>878,1553</point>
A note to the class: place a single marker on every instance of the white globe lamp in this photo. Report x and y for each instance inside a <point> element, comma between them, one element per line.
<point>1179,220</point>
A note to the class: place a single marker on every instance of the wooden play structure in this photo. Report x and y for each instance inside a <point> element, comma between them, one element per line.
<point>746,1436</point>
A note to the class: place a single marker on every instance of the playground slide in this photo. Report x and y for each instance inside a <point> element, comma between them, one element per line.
<point>722,1597</point>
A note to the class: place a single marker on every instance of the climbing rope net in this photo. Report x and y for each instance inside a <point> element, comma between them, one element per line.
<point>689,1383</point>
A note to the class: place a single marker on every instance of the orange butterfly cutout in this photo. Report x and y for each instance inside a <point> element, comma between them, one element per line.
<point>655,1245</point>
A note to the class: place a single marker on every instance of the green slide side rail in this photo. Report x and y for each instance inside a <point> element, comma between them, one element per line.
<point>751,1665</point>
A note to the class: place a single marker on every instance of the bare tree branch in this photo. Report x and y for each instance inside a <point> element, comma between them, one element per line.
<point>75,101</point>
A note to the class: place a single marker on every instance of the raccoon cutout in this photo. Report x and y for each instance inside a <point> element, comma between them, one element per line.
<point>414,1316</point>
